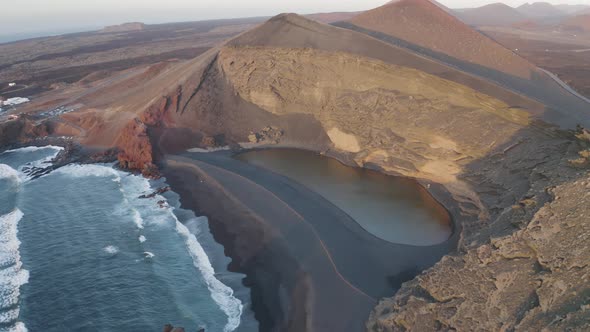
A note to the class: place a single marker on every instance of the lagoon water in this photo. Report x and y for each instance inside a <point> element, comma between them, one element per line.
<point>80,251</point>
<point>395,209</point>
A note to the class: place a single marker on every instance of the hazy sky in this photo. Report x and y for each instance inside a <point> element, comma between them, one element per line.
<point>23,17</point>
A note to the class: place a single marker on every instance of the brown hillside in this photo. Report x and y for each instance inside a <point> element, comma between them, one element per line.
<point>423,23</point>
<point>580,22</point>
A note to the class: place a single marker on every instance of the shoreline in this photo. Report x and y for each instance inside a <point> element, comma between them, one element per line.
<point>138,212</point>
<point>200,199</point>
<point>278,272</point>
<point>285,293</point>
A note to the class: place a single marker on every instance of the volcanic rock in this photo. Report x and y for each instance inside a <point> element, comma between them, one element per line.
<point>533,280</point>
<point>425,24</point>
<point>159,191</point>
<point>268,135</point>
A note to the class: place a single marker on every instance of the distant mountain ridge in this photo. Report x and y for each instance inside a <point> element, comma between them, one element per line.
<point>492,14</point>
<point>573,9</point>
<point>131,26</point>
<point>540,10</point>
<point>500,14</point>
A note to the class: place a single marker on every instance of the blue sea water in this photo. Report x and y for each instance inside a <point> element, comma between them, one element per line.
<point>80,251</point>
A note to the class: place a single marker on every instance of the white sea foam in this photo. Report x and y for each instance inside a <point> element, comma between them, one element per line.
<point>12,275</point>
<point>15,101</point>
<point>9,316</point>
<point>137,218</point>
<point>148,254</point>
<point>7,172</point>
<point>111,250</point>
<point>208,150</point>
<point>146,213</point>
<point>35,148</point>
<point>42,163</point>
<point>39,163</point>
<point>221,294</point>
<point>97,170</point>
<point>18,327</point>
<point>135,186</point>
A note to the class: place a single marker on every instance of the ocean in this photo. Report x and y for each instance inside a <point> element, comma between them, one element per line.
<point>81,251</point>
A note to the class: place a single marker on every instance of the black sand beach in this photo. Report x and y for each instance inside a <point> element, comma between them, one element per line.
<point>309,265</point>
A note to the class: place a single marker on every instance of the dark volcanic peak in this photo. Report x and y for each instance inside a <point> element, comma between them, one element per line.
<point>495,14</point>
<point>423,23</point>
<point>540,10</point>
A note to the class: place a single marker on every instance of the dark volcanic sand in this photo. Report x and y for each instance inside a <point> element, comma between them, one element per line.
<point>308,264</point>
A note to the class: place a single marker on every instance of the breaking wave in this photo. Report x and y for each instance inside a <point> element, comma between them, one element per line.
<point>7,172</point>
<point>221,294</point>
<point>144,212</point>
<point>81,171</point>
<point>35,148</point>
<point>24,170</point>
<point>12,275</point>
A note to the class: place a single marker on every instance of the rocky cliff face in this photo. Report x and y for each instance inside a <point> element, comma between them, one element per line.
<point>535,279</point>
<point>526,269</point>
<point>22,130</point>
<point>137,149</point>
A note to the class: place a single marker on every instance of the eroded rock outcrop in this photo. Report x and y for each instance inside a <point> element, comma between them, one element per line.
<point>268,135</point>
<point>22,130</point>
<point>533,280</point>
<point>137,150</point>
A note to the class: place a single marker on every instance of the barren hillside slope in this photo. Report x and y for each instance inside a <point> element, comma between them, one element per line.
<point>423,23</point>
